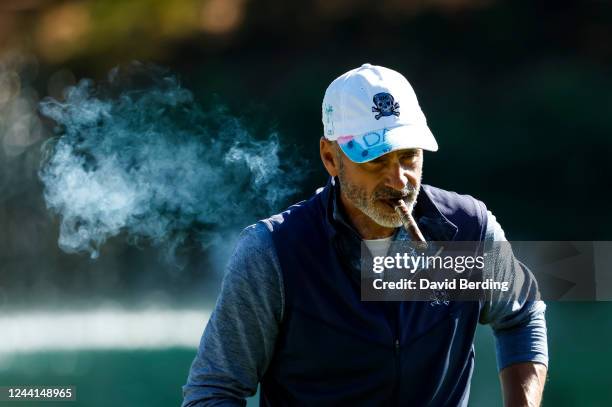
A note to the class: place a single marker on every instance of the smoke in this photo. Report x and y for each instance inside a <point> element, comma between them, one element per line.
<point>136,155</point>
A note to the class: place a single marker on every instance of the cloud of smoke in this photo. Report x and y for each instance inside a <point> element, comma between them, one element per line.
<point>137,155</point>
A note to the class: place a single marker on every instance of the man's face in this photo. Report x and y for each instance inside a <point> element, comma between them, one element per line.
<point>374,187</point>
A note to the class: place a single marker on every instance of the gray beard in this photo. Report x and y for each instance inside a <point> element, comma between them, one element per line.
<point>373,208</point>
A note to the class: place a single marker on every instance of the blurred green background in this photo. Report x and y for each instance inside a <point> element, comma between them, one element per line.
<point>517,94</point>
<point>579,337</point>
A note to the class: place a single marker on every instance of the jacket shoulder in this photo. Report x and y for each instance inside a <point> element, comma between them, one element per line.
<point>300,212</point>
<point>451,200</point>
<point>457,207</point>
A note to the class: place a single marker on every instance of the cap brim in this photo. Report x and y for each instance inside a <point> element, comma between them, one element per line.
<point>370,146</point>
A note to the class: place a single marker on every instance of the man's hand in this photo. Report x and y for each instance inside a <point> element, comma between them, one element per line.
<point>523,384</point>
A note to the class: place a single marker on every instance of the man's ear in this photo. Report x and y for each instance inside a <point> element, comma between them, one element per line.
<point>329,156</point>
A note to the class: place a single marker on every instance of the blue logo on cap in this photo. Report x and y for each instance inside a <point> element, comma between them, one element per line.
<point>385,105</point>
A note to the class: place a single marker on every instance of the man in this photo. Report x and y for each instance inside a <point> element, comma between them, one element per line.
<point>290,316</point>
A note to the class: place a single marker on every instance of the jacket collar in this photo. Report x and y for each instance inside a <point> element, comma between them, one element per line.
<point>433,224</point>
<point>430,219</point>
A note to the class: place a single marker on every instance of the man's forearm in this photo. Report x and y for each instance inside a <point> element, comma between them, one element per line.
<point>523,384</point>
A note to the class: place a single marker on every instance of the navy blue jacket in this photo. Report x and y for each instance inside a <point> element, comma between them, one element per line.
<point>334,349</point>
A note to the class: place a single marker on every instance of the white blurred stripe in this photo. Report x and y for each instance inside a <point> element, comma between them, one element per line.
<point>101,329</point>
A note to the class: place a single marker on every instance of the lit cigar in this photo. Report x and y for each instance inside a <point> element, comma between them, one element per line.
<point>409,223</point>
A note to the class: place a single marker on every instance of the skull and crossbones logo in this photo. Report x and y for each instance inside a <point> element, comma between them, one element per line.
<point>439,297</point>
<point>385,105</point>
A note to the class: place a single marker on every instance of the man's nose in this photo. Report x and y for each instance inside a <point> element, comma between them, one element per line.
<point>397,177</point>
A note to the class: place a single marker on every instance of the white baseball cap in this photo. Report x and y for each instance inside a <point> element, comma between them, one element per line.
<point>373,110</point>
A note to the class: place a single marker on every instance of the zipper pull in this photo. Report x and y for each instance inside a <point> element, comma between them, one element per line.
<point>397,346</point>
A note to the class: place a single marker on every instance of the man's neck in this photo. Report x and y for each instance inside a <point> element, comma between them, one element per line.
<point>365,226</point>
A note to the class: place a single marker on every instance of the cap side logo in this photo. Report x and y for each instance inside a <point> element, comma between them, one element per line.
<point>329,121</point>
<point>385,105</point>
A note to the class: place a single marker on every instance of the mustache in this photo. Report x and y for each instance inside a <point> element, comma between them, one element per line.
<point>408,193</point>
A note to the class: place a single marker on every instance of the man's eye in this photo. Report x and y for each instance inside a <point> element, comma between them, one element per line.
<point>378,161</point>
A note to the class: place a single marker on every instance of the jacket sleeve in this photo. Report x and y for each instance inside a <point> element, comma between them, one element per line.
<point>518,323</point>
<point>238,341</point>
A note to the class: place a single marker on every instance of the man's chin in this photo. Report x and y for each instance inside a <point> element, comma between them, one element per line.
<point>386,217</point>
<point>388,223</point>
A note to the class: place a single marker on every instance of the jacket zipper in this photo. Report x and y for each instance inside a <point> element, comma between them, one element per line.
<point>396,351</point>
